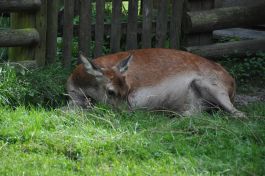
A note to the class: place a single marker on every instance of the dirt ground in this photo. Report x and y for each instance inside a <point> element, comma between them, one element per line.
<point>258,95</point>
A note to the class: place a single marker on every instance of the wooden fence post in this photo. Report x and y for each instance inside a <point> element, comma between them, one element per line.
<point>52,28</point>
<point>99,28</point>
<point>85,27</point>
<point>147,23</point>
<point>161,24</point>
<point>131,39</point>
<point>175,24</point>
<point>21,20</point>
<point>116,26</point>
<point>68,32</point>
<point>41,26</point>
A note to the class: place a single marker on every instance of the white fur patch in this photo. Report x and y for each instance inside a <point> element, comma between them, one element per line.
<point>173,93</point>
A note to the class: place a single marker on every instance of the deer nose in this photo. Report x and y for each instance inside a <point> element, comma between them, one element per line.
<point>111,92</point>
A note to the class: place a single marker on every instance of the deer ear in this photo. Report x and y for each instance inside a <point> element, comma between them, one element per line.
<point>90,68</point>
<point>123,65</point>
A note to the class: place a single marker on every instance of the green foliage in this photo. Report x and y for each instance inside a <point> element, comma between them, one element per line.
<point>47,85</point>
<point>13,90</point>
<point>248,70</point>
<point>107,142</point>
<point>36,87</point>
<point>229,39</point>
<point>4,23</point>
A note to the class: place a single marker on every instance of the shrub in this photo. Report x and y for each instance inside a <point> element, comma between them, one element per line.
<point>249,70</point>
<point>43,86</point>
<point>48,85</point>
<point>12,89</point>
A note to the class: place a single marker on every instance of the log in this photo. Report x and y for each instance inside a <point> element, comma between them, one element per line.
<point>18,37</point>
<point>209,20</point>
<point>230,3</point>
<point>233,49</point>
<point>239,33</point>
<point>19,5</point>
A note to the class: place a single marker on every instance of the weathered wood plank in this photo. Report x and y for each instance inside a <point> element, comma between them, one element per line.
<point>147,23</point>
<point>68,32</point>
<point>131,39</point>
<point>115,26</point>
<point>85,27</point>
<point>99,28</point>
<point>18,37</point>
<point>41,26</point>
<point>230,3</point>
<point>19,5</point>
<point>161,25</point>
<point>175,24</point>
<point>107,29</point>
<point>52,28</point>
<point>235,49</point>
<point>239,33</point>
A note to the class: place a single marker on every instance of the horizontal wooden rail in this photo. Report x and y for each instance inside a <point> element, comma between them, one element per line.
<point>19,5</point>
<point>18,37</point>
<point>209,20</point>
<point>235,49</point>
<point>107,28</point>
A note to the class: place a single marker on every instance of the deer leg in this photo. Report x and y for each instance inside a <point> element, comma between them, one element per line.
<point>212,93</point>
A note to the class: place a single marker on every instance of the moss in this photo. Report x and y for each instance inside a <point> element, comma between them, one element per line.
<point>19,21</point>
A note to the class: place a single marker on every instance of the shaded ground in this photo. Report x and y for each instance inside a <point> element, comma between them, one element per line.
<point>243,99</point>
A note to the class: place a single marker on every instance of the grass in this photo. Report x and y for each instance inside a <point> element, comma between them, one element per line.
<point>42,86</point>
<point>102,141</point>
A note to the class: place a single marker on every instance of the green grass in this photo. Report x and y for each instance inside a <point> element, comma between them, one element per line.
<point>102,141</point>
<point>42,86</point>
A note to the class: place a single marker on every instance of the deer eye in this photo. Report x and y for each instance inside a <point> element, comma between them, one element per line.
<point>111,92</point>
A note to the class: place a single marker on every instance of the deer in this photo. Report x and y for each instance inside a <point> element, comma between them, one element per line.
<point>154,79</point>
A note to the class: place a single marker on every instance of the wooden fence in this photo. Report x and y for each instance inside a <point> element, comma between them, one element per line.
<point>27,33</point>
<point>149,23</point>
<point>138,33</point>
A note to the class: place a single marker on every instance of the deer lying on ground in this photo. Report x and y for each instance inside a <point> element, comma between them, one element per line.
<point>154,79</point>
